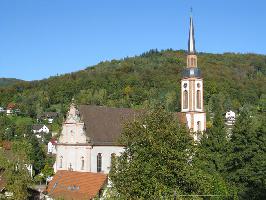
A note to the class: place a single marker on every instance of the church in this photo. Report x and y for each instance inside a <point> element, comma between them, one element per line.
<point>90,134</point>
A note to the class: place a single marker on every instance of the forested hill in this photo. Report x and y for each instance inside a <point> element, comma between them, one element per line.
<point>145,81</point>
<point>8,81</point>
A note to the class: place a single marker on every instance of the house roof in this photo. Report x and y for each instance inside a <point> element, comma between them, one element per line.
<point>104,124</point>
<point>50,114</point>
<point>11,106</point>
<point>76,185</point>
<point>37,126</point>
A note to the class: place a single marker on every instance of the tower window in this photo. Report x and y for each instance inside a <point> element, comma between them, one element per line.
<point>185,99</point>
<point>82,163</point>
<point>99,162</point>
<point>198,99</point>
<point>198,126</point>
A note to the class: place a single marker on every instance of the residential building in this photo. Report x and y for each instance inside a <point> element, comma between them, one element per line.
<point>70,185</point>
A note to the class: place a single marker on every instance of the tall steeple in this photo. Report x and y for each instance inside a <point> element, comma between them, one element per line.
<point>191,39</point>
<point>191,56</point>
<point>192,89</point>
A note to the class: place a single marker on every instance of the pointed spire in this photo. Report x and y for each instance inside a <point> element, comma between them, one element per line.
<point>191,39</point>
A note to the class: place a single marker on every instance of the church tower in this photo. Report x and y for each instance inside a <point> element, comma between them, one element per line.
<point>192,89</point>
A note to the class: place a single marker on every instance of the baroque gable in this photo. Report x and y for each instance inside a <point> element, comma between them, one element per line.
<point>73,131</point>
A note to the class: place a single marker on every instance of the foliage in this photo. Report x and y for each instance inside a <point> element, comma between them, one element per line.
<point>158,161</point>
<point>16,175</point>
<point>246,166</point>
<point>143,82</point>
<point>8,81</point>
<point>37,155</point>
<point>213,146</point>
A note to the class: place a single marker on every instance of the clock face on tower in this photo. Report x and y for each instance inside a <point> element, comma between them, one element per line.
<point>185,85</point>
<point>198,85</point>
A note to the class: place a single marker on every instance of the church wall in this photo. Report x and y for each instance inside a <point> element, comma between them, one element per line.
<point>73,133</point>
<point>72,158</point>
<point>199,117</point>
<point>106,152</point>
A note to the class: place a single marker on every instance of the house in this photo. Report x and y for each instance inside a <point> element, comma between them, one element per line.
<point>40,128</point>
<point>10,108</point>
<point>48,116</point>
<point>51,146</point>
<point>230,118</point>
<point>71,185</point>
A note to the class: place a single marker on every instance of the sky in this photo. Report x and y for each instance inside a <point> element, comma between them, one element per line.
<point>42,38</point>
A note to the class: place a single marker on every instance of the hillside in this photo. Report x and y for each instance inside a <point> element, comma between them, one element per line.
<point>145,81</point>
<point>8,81</point>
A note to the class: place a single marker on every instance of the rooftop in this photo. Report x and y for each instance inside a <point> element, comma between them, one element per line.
<point>76,185</point>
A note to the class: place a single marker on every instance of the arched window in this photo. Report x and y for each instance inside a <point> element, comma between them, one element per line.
<point>198,126</point>
<point>185,99</point>
<point>99,162</point>
<point>198,99</point>
<point>82,163</point>
<point>61,162</point>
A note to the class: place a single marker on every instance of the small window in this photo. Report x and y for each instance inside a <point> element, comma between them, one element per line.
<point>198,126</point>
<point>185,99</point>
<point>99,162</point>
<point>82,163</point>
<point>61,162</point>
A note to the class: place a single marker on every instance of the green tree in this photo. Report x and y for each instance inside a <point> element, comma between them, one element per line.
<point>37,155</point>
<point>16,175</point>
<point>158,161</point>
<point>213,146</point>
<point>246,166</point>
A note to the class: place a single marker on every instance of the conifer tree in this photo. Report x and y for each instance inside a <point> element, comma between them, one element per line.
<point>246,165</point>
<point>213,147</point>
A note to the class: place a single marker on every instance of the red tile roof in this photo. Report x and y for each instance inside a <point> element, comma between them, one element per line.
<point>72,185</point>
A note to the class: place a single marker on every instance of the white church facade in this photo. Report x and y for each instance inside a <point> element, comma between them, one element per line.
<point>89,138</point>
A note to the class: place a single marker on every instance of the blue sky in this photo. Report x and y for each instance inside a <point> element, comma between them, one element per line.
<point>41,38</point>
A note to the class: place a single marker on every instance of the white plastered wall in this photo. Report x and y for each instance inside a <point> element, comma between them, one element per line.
<point>106,152</point>
<point>72,155</point>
